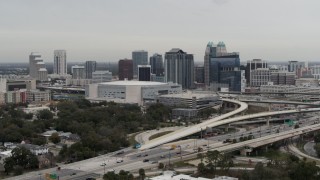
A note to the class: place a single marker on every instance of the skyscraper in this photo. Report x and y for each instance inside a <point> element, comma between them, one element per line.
<point>125,69</point>
<point>199,74</point>
<point>156,63</point>
<point>90,67</point>
<point>60,62</point>
<point>222,69</point>
<point>144,72</point>
<point>139,58</point>
<point>78,72</point>
<point>253,65</point>
<point>211,51</point>
<point>179,68</point>
<point>35,64</point>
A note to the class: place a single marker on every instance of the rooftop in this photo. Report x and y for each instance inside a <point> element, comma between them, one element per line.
<point>133,83</point>
<point>190,94</point>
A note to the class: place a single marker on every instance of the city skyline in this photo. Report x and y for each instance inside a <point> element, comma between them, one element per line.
<point>110,30</point>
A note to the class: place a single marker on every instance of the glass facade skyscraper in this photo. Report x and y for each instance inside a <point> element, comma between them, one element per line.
<point>221,69</point>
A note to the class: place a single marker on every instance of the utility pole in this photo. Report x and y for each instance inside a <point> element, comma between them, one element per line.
<point>180,153</point>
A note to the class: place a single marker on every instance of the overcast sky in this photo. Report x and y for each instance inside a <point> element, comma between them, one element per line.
<point>108,30</point>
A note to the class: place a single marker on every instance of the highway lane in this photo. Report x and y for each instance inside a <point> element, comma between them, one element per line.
<point>194,129</point>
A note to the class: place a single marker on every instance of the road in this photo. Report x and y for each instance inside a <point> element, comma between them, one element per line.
<point>194,129</point>
<point>309,149</point>
<point>217,122</point>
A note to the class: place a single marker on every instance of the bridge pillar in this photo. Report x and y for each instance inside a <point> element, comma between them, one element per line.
<point>268,121</point>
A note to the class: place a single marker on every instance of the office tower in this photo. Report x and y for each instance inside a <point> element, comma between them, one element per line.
<point>139,58</point>
<point>297,67</point>
<point>60,62</point>
<point>125,69</point>
<point>3,85</point>
<point>199,74</point>
<point>35,64</point>
<point>252,65</point>
<point>210,52</point>
<point>259,76</point>
<point>283,78</point>
<point>78,72</point>
<point>156,63</point>
<point>101,76</point>
<point>90,67</point>
<point>179,68</point>
<point>42,74</point>
<point>144,72</point>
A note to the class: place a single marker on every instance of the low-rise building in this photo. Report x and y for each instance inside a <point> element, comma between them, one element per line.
<point>35,149</point>
<point>38,96</point>
<point>136,92</point>
<point>193,100</point>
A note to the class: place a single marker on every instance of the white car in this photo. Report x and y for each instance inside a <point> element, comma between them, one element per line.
<point>119,160</point>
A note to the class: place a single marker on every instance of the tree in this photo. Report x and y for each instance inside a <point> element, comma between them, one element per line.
<point>142,173</point>
<point>317,148</point>
<point>45,114</point>
<point>201,169</point>
<point>21,156</point>
<point>55,138</point>
<point>317,138</point>
<point>161,166</point>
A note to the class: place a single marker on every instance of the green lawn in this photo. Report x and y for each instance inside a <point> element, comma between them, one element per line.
<point>159,134</point>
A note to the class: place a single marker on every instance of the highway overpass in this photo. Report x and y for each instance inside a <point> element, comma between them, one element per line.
<point>278,102</point>
<point>194,129</point>
<point>216,122</point>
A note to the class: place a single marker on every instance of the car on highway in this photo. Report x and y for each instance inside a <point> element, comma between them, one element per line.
<point>145,155</point>
<point>154,162</point>
<point>139,155</point>
<point>73,174</point>
<point>145,160</point>
<point>162,156</point>
<point>119,160</point>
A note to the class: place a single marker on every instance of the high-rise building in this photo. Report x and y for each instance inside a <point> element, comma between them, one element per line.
<point>199,74</point>
<point>156,62</point>
<point>253,65</point>
<point>259,77</point>
<point>35,64</point>
<point>144,72</point>
<point>78,72</point>
<point>3,85</point>
<point>179,68</point>
<point>221,69</point>
<point>297,67</point>
<point>125,69</point>
<point>211,51</point>
<point>42,74</point>
<point>60,62</point>
<point>90,67</point>
<point>139,58</point>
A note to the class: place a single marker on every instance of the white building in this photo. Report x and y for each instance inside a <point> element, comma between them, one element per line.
<point>35,110</point>
<point>101,76</point>
<point>139,92</point>
<point>37,68</point>
<point>60,62</point>
<point>35,149</point>
<point>315,71</point>
<point>78,72</point>
<point>78,82</point>
<point>3,85</point>
<point>307,82</point>
<point>171,175</point>
<point>38,96</point>
<point>243,80</point>
<point>260,76</point>
<point>42,74</point>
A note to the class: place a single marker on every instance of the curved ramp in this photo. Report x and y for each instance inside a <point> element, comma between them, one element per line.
<point>194,129</point>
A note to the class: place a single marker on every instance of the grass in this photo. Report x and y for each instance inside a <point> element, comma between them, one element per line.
<point>159,134</point>
<point>132,140</point>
